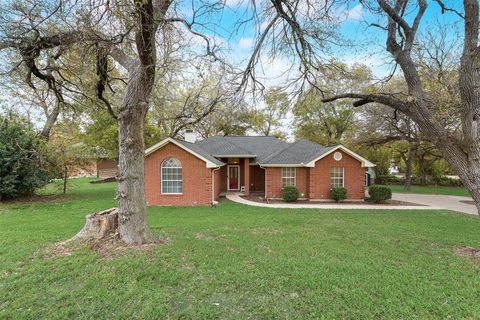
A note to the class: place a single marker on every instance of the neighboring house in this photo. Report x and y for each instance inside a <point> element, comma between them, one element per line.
<point>106,168</point>
<point>96,162</point>
<point>100,168</point>
<point>193,172</point>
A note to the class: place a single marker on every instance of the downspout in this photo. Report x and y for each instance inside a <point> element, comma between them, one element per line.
<point>265,182</point>
<point>213,185</point>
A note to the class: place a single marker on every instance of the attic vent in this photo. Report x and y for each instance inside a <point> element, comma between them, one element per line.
<point>337,156</point>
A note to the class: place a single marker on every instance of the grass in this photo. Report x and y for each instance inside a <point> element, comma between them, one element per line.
<point>452,191</point>
<point>236,262</point>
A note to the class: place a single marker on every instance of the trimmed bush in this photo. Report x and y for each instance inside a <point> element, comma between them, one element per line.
<point>338,194</point>
<point>290,194</point>
<point>379,193</point>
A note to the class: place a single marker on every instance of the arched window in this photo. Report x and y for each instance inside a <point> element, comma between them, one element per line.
<point>172,176</point>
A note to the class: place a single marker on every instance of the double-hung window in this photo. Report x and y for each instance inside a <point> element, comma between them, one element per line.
<point>288,176</point>
<point>337,177</point>
<point>172,182</point>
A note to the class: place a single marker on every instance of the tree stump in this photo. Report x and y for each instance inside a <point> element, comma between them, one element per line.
<point>99,225</point>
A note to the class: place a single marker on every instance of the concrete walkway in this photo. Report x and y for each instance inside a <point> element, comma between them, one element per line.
<point>236,198</point>
<point>443,201</point>
<point>427,201</point>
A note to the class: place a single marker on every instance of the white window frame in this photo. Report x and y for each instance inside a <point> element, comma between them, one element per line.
<point>161,177</point>
<point>294,177</point>
<point>333,177</point>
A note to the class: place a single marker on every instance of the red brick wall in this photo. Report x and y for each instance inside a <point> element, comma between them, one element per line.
<point>218,176</point>
<point>223,178</point>
<point>257,178</point>
<point>106,168</point>
<point>273,177</point>
<point>197,178</point>
<point>354,177</point>
<point>274,181</point>
<point>302,181</point>
<point>315,182</point>
<point>242,172</point>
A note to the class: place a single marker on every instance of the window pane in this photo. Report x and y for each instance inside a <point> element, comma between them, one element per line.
<point>336,177</point>
<point>171,176</point>
<point>288,176</point>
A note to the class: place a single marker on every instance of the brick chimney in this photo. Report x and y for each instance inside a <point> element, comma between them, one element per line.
<point>190,136</point>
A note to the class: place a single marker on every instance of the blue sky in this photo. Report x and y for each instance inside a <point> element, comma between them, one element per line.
<point>368,42</point>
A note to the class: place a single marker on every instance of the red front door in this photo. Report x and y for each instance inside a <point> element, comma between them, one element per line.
<point>233,178</point>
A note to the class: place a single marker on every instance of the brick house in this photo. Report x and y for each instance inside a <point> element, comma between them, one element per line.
<point>190,172</point>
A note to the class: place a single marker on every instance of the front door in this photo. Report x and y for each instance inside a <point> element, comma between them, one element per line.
<point>233,177</point>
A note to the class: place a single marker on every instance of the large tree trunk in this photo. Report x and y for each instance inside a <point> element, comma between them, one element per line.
<point>463,167</point>
<point>50,122</point>
<point>409,167</point>
<point>469,86</point>
<point>422,163</point>
<point>132,210</point>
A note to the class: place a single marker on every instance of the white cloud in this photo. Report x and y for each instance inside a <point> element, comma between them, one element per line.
<point>236,3</point>
<point>246,43</point>
<point>356,13</point>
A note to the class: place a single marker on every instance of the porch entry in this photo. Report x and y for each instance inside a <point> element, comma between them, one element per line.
<point>233,177</point>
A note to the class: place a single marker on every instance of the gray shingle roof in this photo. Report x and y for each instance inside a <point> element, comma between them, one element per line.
<point>258,146</point>
<point>265,150</point>
<point>222,146</point>
<point>197,149</point>
<point>268,151</point>
<point>299,152</point>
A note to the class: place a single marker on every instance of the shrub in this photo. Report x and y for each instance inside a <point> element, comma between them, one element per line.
<point>448,182</point>
<point>338,194</point>
<point>290,194</point>
<point>388,179</point>
<point>379,193</point>
<point>21,169</point>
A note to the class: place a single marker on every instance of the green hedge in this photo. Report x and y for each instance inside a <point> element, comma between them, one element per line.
<point>379,193</point>
<point>290,194</point>
<point>438,181</point>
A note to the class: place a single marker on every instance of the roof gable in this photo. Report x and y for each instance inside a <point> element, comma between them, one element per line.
<point>365,162</point>
<point>210,161</point>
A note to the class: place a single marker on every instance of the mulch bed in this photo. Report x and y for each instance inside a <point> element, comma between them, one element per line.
<point>387,203</point>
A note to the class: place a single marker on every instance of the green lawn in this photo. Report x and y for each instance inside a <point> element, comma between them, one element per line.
<point>237,262</point>
<point>452,191</point>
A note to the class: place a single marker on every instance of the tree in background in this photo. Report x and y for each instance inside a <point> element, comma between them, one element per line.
<point>402,23</point>
<point>23,167</point>
<point>267,121</point>
<point>333,122</point>
<point>67,151</point>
